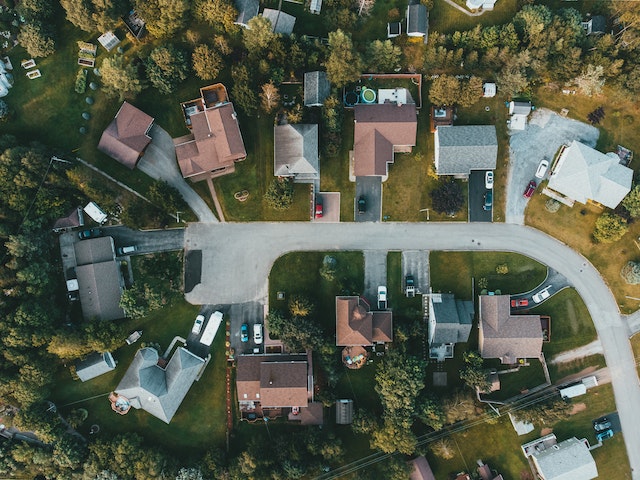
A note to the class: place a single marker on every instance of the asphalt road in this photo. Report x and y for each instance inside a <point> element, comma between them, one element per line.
<point>477,191</point>
<point>246,252</point>
<point>371,189</point>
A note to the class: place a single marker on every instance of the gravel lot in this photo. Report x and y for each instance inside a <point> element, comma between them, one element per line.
<point>544,135</point>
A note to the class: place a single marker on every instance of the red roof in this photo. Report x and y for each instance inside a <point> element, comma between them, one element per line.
<point>127,135</point>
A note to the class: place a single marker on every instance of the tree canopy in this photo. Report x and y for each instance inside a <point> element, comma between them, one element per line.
<point>344,64</point>
<point>119,79</point>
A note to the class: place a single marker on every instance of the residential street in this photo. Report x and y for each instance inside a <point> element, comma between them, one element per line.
<point>246,252</point>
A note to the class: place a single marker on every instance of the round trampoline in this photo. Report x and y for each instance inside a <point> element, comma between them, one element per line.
<point>368,95</point>
<point>350,99</point>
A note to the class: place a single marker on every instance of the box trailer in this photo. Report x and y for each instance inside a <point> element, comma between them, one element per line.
<point>95,212</point>
<point>211,328</point>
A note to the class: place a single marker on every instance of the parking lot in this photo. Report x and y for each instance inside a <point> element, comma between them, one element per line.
<point>477,191</point>
<point>370,188</point>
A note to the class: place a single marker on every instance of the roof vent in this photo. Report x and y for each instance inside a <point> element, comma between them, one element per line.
<point>556,447</point>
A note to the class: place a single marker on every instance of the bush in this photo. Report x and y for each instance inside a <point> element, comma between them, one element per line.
<point>502,269</point>
<point>610,228</point>
<point>551,205</point>
<point>81,81</point>
<point>36,41</point>
<point>4,111</point>
<point>279,195</point>
<point>631,273</point>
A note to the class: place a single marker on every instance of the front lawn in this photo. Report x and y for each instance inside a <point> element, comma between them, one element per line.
<point>443,18</point>
<point>453,272</point>
<point>558,371</point>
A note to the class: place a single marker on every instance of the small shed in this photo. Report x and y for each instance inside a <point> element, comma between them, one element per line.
<point>108,40</point>
<point>489,90</point>
<point>417,20</point>
<point>95,212</point>
<point>94,365</point>
<point>573,390</point>
<point>344,412</point>
<point>316,6</point>
<point>394,29</point>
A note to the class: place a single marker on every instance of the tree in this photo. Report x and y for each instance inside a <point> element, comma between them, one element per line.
<point>546,413</point>
<point>163,18</point>
<point>300,306</point>
<point>610,228</point>
<point>279,195</point>
<point>35,40</point>
<point>4,111</point>
<point>591,81</point>
<point>532,20</point>
<point>383,56</point>
<point>470,92</point>
<point>269,97</point>
<point>394,436</point>
<point>32,10</point>
<point>216,13</point>
<point>444,90</point>
<point>166,197</point>
<point>632,202</point>
<point>447,197</point>
<point>206,62</point>
<point>459,407</point>
<point>93,15</point>
<point>242,92</point>
<point>430,412</point>
<point>631,273</point>
<point>119,79</point>
<point>344,64</point>
<point>189,474</point>
<point>443,448</point>
<point>259,34</point>
<point>166,68</point>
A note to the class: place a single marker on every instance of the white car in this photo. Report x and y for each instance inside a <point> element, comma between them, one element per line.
<point>488,180</point>
<point>542,294</point>
<point>197,326</point>
<point>257,333</point>
<point>382,297</point>
<point>542,169</point>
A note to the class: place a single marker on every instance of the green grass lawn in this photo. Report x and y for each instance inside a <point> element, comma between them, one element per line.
<point>443,18</point>
<point>512,384</point>
<point>453,271</point>
<point>635,345</point>
<point>558,371</point>
<point>571,324</point>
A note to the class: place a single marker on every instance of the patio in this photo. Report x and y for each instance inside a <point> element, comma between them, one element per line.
<point>354,357</point>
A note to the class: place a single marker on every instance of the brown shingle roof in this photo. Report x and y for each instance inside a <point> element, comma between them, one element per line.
<point>126,137</point>
<point>505,336</point>
<point>378,129</point>
<point>421,469</point>
<point>354,324</point>
<point>216,142</point>
<point>382,327</point>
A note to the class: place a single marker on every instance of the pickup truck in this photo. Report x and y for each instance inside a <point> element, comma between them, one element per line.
<point>410,287</point>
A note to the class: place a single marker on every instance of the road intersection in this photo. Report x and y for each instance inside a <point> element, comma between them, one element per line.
<point>237,259</point>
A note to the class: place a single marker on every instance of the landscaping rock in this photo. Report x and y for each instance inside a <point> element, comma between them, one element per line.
<point>89,100</point>
<point>82,130</point>
<point>86,115</point>
<point>93,86</point>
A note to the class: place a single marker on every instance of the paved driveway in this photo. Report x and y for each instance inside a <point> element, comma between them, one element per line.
<point>477,192</point>
<point>246,252</point>
<point>159,162</point>
<point>416,263</point>
<point>147,241</point>
<point>371,189</point>
<point>375,274</point>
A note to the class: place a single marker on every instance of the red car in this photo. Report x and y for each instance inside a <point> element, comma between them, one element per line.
<point>530,189</point>
<point>319,212</point>
<point>523,302</point>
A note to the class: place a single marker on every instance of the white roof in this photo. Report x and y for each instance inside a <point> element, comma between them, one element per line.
<point>568,460</point>
<point>393,95</point>
<point>108,40</point>
<point>583,173</point>
<point>72,285</point>
<point>573,391</point>
<point>518,122</point>
<point>94,211</point>
<point>489,90</point>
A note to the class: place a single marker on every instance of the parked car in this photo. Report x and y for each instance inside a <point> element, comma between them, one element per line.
<point>362,205</point>
<point>488,200</point>
<point>295,410</point>
<point>542,294</point>
<point>90,233</point>
<point>530,189</point>
<point>488,180</point>
<point>244,333</point>
<point>257,333</point>
<point>318,211</point>
<point>604,435</point>
<point>382,297</point>
<point>126,250</point>
<point>602,424</point>
<point>542,169</point>
<point>521,302</point>
<point>197,326</point>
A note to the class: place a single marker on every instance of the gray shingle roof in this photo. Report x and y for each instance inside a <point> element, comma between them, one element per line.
<point>159,391</point>
<point>95,365</point>
<point>460,149</point>
<point>247,9</point>
<point>281,22</point>
<point>296,151</point>
<point>316,88</point>
<point>453,319</point>
<point>100,290</point>
<point>519,108</point>
<point>583,174</point>
<point>568,460</point>
<point>417,22</point>
<point>94,250</point>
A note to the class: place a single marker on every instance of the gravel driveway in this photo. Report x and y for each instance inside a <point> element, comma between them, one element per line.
<point>544,135</point>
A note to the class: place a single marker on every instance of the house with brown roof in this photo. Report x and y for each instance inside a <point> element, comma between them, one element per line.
<point>380,131</point>
<point>127,136</point>
<point>266,382</point>
<point>215,143</point>
<point>505,336</point>
<point>356,325</point>
<point>420,469</point>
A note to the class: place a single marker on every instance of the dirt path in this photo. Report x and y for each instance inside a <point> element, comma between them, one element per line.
<point>592,348</point>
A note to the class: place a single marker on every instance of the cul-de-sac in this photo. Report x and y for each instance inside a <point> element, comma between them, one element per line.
<point>319,239</point>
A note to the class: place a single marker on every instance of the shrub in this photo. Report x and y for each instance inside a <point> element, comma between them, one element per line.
<point>610,228</point>
<point>279,195</point>
<point>551,205</point>
<point>4,111</point>
<point>81,81</point>
<point>631,273</point>
<point>502,269</point>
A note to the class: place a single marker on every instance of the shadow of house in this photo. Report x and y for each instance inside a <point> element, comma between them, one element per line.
<point>463,148</point>
<point>127,136</point>
<point>450,322</point>
<point>158,387</point>
<point>296,152</point>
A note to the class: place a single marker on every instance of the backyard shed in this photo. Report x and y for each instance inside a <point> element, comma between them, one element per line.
<point>344,412</point>
<point>95,365</point>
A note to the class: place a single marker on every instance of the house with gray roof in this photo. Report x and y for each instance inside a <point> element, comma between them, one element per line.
<point>281,22</point>
<point>582,174</point>
<point>94,365</point>
<point>316,88</point>
<point>417,20</point>
<point>463,148</point>
<point>157,386</point>
<point>505,336</point>
<point>100,281</point>
<point>449,323</point>
<point>567,460</point>
<point>595,25</point>
<point>247,9</point>
<point>296,152</point>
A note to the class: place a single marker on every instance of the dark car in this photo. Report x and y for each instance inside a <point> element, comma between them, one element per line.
<point>91,233</point>
<point>362,205</point>
<point>488,200</point>
<point>530,189</point>
<point>602,424</point>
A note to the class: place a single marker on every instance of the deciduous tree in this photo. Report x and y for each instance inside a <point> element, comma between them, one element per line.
<point>206,62</point>
<point>119,79</point>
<point>591,81</point>
<point>609,228</point>
<point>279,195</point>
<point>217,13</point>
<point>344,64</point>
<point>163,18</point>
<point>269,97</point>
<point>259,34</point>
<point>631,273</point>
<point>166,67</point>
<point>444,90</point>
<point>447,197</point>
<point>36,41</point>
<point>383,56</point>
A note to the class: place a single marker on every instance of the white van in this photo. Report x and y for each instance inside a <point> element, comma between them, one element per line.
<point>257,333</point>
